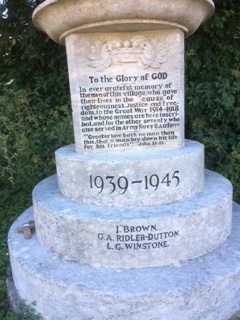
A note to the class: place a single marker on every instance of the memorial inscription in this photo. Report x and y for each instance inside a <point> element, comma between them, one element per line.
<point>145,237</point>
<point>121,184</point>
<point>151,120</point>
<point>120,107</point>
<point>139,234</point>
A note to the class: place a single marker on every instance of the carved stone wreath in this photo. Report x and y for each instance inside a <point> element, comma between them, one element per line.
<point>139,49</point>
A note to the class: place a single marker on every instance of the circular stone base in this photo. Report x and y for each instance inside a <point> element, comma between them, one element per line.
<point>131,178</point>
<point>207,288</point>
<point>134,237</point>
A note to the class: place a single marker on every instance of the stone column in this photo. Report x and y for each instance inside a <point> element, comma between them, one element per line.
<point>126,69</point>
<point>126,72</point>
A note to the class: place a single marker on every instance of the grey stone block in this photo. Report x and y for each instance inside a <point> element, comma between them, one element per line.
<point>206,288</point>
<point>131,178</point>
<point>134,237</point>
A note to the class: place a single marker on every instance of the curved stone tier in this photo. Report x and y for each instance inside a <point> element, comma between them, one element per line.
<point>134,237</point>
<point>52,16</point>
<point>207,288</point>
<point>114,178</point>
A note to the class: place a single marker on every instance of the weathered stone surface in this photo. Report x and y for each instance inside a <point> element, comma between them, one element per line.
<point>127,90</point>
<point>131,178</point>
<point>134,237</point>
<point>126,68</point>
<point>52,16</point>
<point>207,288</point>
<point>150,239</point>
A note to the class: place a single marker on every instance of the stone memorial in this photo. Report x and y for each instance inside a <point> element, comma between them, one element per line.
<point>131,226</point>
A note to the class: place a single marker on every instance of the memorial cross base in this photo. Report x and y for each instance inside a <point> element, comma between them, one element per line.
<point>132,226</point>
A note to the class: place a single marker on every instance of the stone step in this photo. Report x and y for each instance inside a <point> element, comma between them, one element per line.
<point>114,178</point>
<point>134,237</point>
<point>206,288</point>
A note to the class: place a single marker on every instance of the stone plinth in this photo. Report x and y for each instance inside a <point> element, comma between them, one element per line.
<point>131,227</point>
<point>126,69</point>
<point>134,237</point>
<point>113,179</point>
<point>206,288</point>
<point>117,107</point>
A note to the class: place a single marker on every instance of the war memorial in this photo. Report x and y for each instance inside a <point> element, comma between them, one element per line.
<point>131,226</point>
